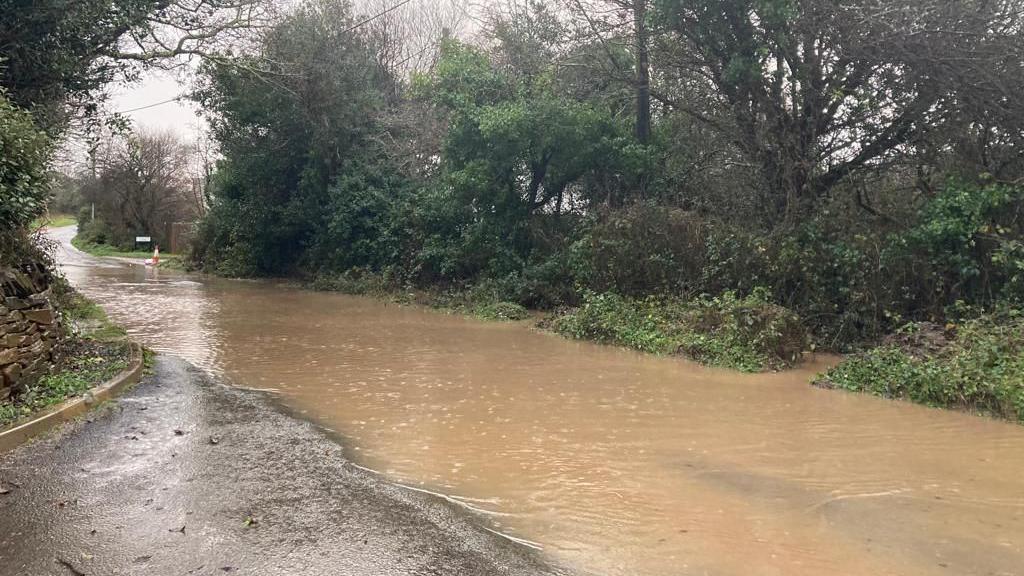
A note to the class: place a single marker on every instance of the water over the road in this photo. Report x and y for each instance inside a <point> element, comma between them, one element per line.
<point>614,462</point>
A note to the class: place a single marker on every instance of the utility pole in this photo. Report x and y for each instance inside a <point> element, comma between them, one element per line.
<point>643,73</point>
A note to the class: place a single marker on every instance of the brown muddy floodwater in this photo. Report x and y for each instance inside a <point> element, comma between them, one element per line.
<point>614,462</point>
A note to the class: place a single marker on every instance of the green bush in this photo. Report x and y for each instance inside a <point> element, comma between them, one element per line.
<point>830,277</point>
<point>853,282</point>
<point>965,246</point>
<point>544,283</point>
<point>747,333</point>
<point>93,231</point>
<point>981,369</point>
<point>613,319</point>
<point>642,249</point>
<point>24,180</point>
<point>224,242</point>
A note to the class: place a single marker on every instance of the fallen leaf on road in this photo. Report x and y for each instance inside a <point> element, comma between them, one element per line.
<point>179,432</point>
<point>182,530</point>
<point>214,440</point>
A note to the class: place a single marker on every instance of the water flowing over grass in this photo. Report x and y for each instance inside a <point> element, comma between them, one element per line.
<point>745,333</point>
<point>977,366</point>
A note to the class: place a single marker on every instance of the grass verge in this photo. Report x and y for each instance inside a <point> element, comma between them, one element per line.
<point>977,367</point>
<point>54,221</point>
<point>96,351</point>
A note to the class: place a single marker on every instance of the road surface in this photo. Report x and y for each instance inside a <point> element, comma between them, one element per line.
<point>184,475</point>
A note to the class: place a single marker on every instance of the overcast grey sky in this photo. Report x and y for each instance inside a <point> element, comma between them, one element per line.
<point>157,86</point>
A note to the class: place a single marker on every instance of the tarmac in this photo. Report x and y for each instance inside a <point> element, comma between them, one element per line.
<point>185,475</point>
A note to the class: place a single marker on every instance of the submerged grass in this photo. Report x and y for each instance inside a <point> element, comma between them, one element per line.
<point>979,369</point>
<point>745,333</point>
<point>502,311</point>
<point>470,302</point>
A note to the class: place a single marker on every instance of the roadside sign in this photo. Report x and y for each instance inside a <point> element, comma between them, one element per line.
<point>141,239</point>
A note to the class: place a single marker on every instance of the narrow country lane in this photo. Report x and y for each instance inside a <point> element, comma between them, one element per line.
<point>184,475</point>
<point>512,287</point>
<point>613,462</point>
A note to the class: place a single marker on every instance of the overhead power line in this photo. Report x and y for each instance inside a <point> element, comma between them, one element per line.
<point>377,15</point>
<point>154,104</point>
<point>366,20</point>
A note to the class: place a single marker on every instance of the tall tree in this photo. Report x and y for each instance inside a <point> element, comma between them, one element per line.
<point>287,120</point>
<point>52,51</point>
<point>57,56</point>
<point>142,184</point>
<point>818,90</point>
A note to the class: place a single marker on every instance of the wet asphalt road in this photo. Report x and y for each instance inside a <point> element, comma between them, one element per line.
<point>183,475</point>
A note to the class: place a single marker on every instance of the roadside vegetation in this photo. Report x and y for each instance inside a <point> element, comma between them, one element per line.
<point>95,351</point>
<point>977,366</point>
<point>710,216</point>
<point>733,181</point>
<point>143,183</point>
<point>749,333</point>
<point>57,60</point>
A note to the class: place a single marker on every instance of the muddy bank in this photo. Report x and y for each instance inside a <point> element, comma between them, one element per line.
<point>185,476</point>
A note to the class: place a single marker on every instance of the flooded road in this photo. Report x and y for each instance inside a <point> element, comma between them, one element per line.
<point>613,462</point>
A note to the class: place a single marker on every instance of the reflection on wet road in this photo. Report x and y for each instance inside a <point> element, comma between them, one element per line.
<point>614,462</point>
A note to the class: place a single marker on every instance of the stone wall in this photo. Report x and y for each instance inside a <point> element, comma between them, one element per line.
<point>30,330</point>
